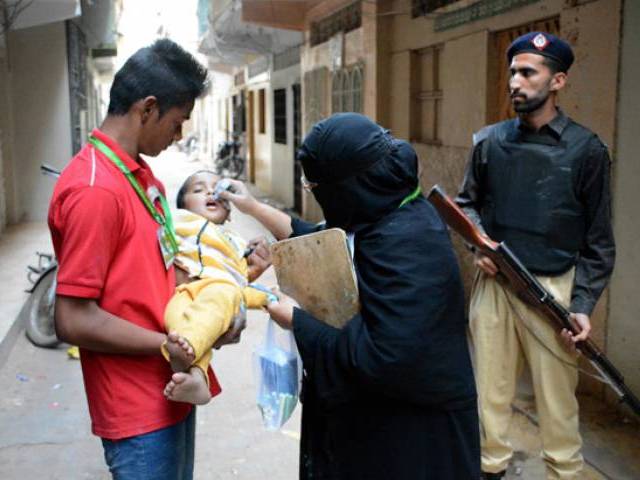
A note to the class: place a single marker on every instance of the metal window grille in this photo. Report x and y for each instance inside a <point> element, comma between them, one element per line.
<point>336,92</point>
<point>346,90</point>
<point>356,89</point>
<point>423,7</point>
<point>280,115</point>
<point>344,20</point>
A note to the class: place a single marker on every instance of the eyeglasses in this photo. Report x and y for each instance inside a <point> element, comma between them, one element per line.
<point>306,184</point>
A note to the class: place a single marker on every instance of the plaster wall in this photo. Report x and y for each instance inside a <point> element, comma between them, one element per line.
<point>282,155</point>
<point>624,309</point>
<point>41,116</point>
<point>593,30</point>
<point>464,88</point>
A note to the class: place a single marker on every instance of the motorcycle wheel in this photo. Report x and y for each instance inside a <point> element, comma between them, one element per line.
<point>236,167</point>
<point>40,327</point>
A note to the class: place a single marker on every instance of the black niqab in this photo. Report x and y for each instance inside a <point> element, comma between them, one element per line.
<point>362,172</point>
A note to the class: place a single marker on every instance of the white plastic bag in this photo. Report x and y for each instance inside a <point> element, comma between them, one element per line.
<point>277,370</point>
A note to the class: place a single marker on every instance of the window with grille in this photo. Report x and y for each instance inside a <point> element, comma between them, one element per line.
<point>344,20</point>
<point>261,111</point>
<point>498,101</point>
<point>346,90</point>
<point>280,115</point>
<point>426,93</point>
<point>422,7</point>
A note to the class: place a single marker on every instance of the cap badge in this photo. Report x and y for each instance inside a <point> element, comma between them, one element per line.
<point>540,41</point>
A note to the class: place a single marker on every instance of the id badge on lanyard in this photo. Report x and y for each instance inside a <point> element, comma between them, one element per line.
<point>166,247</point>
<point>165,240</point>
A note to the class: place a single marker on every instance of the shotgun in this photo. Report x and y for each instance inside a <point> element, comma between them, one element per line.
<point>529,290</point>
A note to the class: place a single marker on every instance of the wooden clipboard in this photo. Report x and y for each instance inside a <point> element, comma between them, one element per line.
<point>317,271</point>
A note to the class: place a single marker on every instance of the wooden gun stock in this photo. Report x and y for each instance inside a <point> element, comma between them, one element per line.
<point>527,288</point>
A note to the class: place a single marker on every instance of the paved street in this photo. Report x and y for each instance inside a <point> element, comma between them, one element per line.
<point>45,434</point>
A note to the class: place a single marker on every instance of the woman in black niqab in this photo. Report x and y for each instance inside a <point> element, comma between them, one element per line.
<point>391,395</point>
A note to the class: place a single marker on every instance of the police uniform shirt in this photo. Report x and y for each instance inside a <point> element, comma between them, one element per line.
<point>595,259</point>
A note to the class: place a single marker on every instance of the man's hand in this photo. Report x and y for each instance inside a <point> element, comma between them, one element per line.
<point>568,339</point>
<point>282,310</point>
<point>240,197</point>
<point>485,264</point>
<point>259,259</point>
<point>232,335</point>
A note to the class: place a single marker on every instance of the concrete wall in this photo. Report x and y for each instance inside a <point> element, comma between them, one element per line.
<point>282,155</point>
<point>41,117</point>
<point>624,309</point>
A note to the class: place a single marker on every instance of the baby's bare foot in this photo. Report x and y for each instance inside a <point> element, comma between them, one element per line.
<point>181,354</point>
<point>188,387</point>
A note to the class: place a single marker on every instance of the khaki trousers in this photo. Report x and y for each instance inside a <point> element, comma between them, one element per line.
<point>507,334</point>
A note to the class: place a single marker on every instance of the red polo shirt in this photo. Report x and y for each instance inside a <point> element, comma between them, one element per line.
<point>107,249</point>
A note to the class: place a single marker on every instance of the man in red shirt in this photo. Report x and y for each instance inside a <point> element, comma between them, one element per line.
<point>112,234</point>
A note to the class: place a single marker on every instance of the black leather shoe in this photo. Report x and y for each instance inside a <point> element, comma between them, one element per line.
<point>492,476</point>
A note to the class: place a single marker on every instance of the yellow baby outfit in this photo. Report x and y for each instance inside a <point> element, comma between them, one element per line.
<point>202,310</point>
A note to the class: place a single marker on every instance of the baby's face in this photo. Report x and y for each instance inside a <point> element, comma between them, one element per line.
<point>198,198</point>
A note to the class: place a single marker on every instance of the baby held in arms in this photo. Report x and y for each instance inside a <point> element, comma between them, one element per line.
<point>217,293</point>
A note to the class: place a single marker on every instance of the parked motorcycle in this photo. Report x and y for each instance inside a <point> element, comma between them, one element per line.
<point>38,310</point>
<point>229,162</point>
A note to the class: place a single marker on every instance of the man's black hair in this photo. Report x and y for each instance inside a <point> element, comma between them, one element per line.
<point>553,65</point>
<point>185,186</point>
<point>163,70</point>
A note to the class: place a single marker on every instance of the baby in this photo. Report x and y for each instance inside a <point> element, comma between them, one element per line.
<point>217,293</point>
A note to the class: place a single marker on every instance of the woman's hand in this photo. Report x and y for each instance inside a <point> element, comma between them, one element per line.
<point>282,310</point>
<point>277,222</point>
<point>240,196</point>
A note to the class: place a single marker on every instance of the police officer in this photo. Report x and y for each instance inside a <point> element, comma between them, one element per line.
<point>540,182</point>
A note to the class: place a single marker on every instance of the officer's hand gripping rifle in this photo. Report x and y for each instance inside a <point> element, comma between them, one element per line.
<point>525,285</point>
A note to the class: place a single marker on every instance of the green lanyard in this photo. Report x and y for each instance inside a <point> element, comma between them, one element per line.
<point>412,196</point>
<point>165,221</point>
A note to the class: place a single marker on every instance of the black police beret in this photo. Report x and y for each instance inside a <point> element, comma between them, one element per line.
<point>544,44</point>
